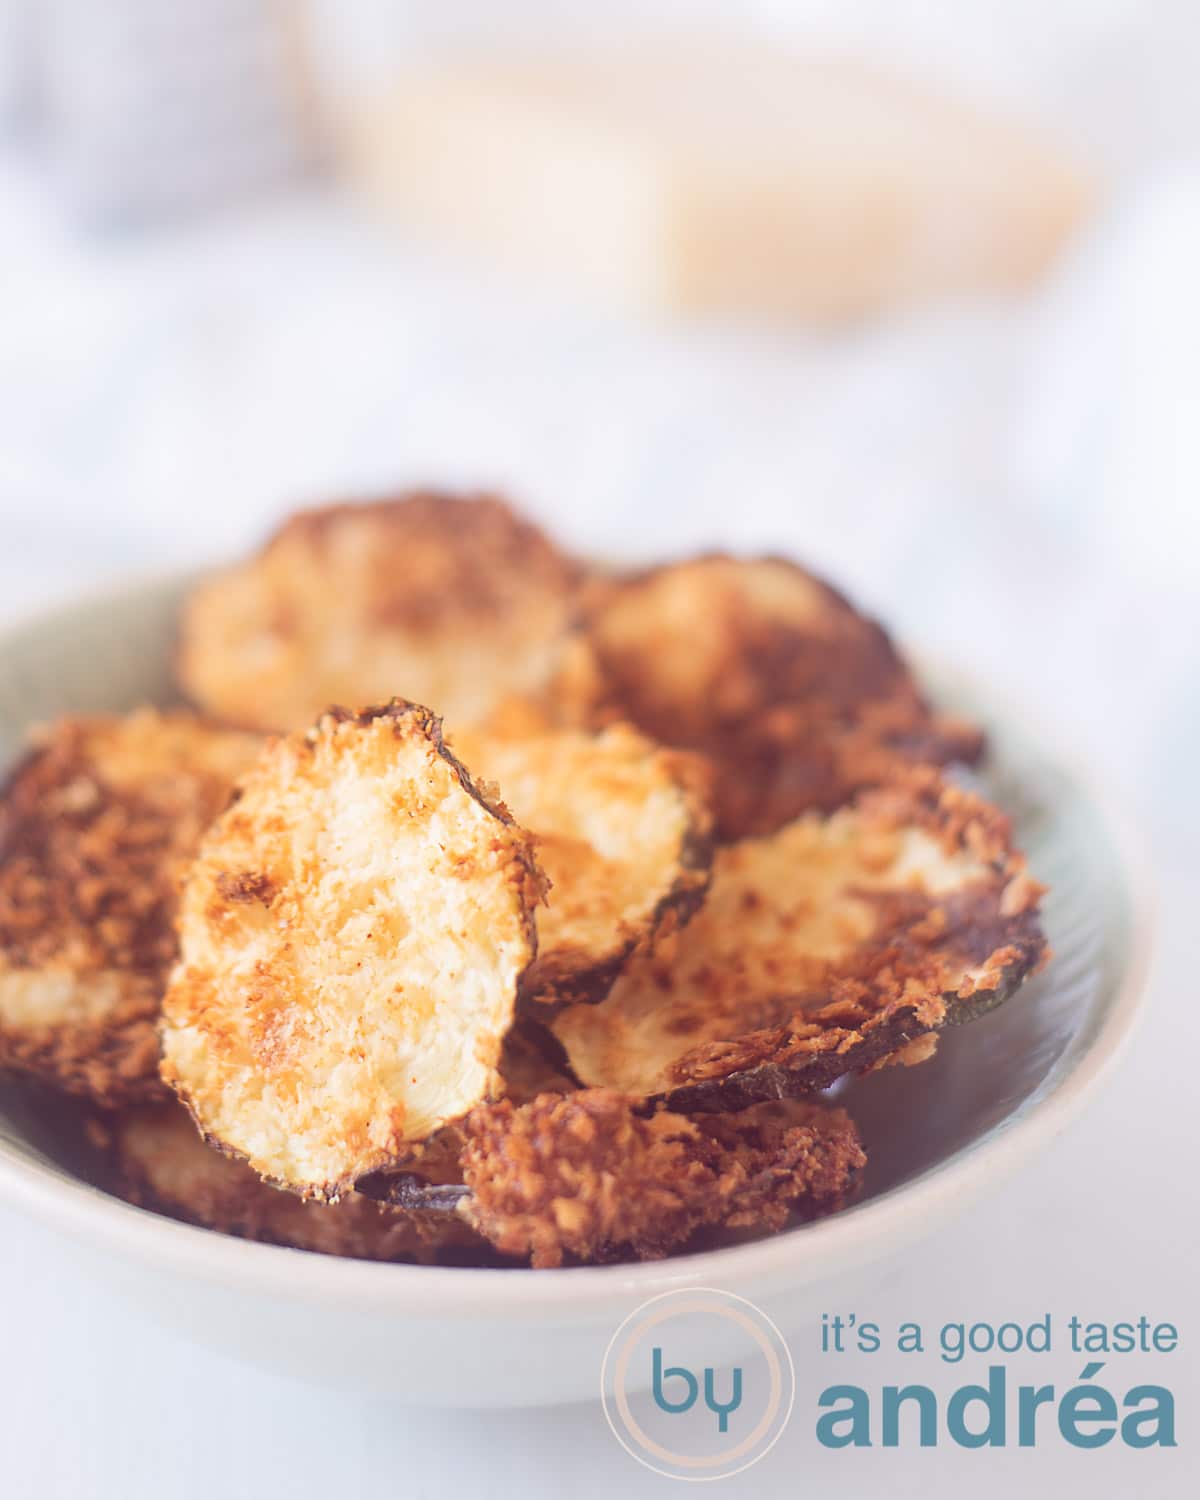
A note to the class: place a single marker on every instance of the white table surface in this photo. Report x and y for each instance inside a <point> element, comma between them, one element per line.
<point>161,400</point>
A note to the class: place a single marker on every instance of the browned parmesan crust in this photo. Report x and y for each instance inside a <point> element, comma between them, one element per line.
<point>96,825</point>
<point>352,936</point>
<point>624,834</point>
<point>585,1176</point>
<point>799,700</point>
<point>822,948</point>
<point>163,1164</point>
<point>455,602</point>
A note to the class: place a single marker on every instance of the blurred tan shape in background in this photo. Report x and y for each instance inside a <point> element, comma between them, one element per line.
<point>715,177</point>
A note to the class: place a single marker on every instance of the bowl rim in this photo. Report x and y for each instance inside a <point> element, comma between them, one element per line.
<point>842,1243</point>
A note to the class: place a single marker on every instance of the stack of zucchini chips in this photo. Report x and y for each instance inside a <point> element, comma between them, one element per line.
<point>486,905</point>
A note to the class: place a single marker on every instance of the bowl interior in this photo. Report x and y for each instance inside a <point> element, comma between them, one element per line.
<point>115,652</point>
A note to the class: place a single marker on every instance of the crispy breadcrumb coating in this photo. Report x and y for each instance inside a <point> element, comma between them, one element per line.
<point>352,935</point>
<point>455,602</point>
<point>624,835</point>
<point>163,1164</point>
<point>96,826</point>
<point>821,949</point>
<point>585,1176</point>
<point>799,700</point>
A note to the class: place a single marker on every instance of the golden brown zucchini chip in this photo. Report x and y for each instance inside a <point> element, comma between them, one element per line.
<point>352,935</point>
<point>163,1164</point>
<point>584,1175</point>
<point>821,949</point>
<point>453,602</point>
<point>96,825</point>
<point>623,832</point>
<point>799,699</point>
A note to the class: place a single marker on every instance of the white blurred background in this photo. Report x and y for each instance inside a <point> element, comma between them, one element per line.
<point>201,326</point>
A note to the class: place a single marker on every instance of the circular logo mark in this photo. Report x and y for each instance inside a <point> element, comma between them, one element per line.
<point>697,1384</point>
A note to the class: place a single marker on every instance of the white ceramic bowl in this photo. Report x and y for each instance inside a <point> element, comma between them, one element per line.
<point>997,1092</point>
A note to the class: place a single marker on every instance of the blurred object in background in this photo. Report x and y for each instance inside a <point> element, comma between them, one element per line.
<point>1107,454</point>
<point>166,396</point>
<point>18,70</point>
<point>153,109</point>
<point>714,175</point>
<point>1108,443</point>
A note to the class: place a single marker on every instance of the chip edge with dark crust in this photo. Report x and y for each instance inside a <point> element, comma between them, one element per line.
<point>429,725</point>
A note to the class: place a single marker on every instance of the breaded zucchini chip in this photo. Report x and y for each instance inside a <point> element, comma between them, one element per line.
<point>163,1164</point>
<point>96,825</point>
<point>352,935</point>
<point>584,1175</point>
<point>821,949</point>
<point>624,833</point>
<point>799,700</point>
<point>454,602</point>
